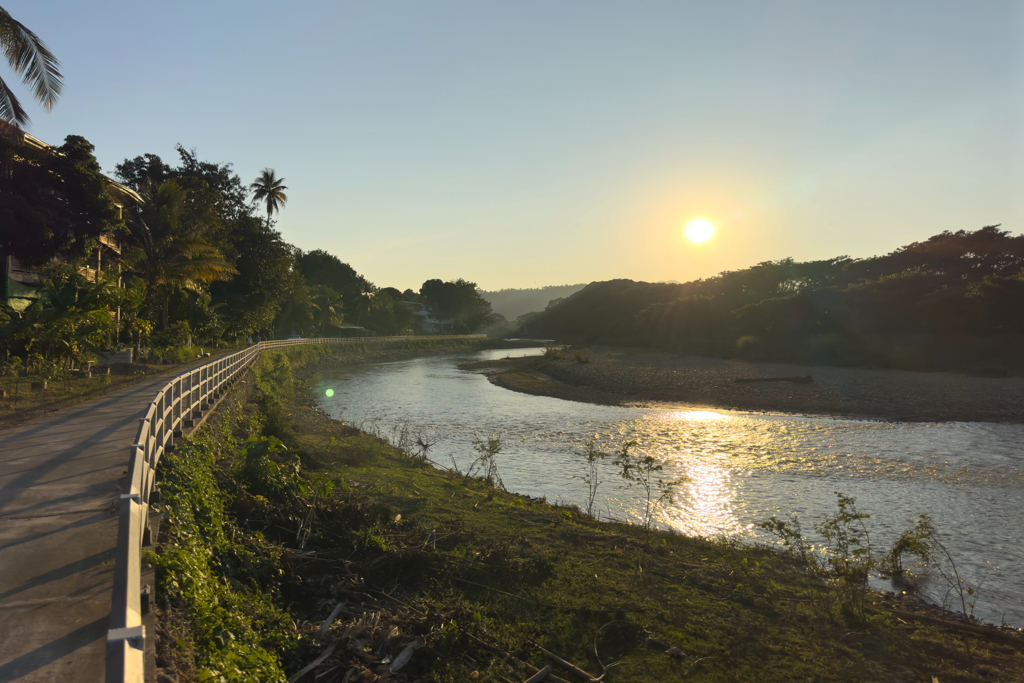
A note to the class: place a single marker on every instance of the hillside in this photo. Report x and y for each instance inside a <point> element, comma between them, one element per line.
<point>953,301</point>
<point>512,303</point>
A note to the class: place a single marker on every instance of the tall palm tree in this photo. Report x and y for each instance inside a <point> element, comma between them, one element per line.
<point>33,61</point>
<point>171,253</point>
<point>269,188</point>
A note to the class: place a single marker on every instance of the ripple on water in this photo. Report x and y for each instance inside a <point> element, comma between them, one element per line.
<point>731,468</point>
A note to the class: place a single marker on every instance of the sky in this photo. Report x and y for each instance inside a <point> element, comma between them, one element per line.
<point>541,142</point>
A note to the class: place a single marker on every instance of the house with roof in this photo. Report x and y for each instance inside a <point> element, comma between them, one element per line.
<point>20,282</point>
<point>427,321</point>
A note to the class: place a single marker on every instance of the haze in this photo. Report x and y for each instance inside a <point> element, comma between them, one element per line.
<point>532,143</point>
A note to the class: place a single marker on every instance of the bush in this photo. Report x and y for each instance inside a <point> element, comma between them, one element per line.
<point>552,351</point>
<point>218,575</point>
<point>175,354</point>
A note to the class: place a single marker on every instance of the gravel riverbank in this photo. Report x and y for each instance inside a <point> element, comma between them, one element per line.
<point>632,377</point>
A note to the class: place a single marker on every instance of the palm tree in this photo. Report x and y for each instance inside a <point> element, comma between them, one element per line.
<point>268,188</point>
<point>365,304</point>
<point>171,253</point>
<point>31,60</point>
<point>327,305</point>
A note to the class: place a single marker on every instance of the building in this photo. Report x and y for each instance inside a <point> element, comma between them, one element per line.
<point>428,322</point>
<point>20,283</point>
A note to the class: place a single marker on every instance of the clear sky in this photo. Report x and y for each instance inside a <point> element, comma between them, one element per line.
<point>533,142</point>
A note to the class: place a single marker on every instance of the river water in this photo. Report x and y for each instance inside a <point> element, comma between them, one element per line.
<point>733,468</point>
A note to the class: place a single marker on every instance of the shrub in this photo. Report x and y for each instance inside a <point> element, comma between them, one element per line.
<point>485,464</point>
<point>553,351</point>
<point>747,347</point>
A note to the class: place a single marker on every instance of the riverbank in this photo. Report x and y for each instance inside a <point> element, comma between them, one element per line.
<point>391,554</point>
<point>652,379</point>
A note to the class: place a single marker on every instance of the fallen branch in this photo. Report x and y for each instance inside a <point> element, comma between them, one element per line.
<point>515,660</point>
<point>327,622</point>
<point>314,664</point>
<point>568,665</point>
<point>540,675</point>
<point>604,669</point>
<point>405,655</point>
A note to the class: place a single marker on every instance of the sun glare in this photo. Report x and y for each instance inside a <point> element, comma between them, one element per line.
<point>699,230</point>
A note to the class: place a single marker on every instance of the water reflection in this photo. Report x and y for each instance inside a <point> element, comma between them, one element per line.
<point>705,503</point>
<point>697,415</point>
<point>733,468</point>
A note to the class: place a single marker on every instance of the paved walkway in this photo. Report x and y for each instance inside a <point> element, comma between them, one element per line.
<point>60,477</point>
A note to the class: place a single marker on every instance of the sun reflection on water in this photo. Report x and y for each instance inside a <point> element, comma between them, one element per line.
<point>697,415</point>
<point>704,504</point>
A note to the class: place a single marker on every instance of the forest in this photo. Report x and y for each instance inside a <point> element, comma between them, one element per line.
<point>952,302</point>
<point>168,258</point>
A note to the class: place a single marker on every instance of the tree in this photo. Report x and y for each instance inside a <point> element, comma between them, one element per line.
<point>54,202</point>
<point>296,316</point>
<point>143,170</point>
<point>168,252</point>
<point>33,62</point>
<point>459,300</point>
<point>326,307</point>
<point>263,261</point>
<point>322,268</point>
<point>389,315</point>
<point>269,188</point>
<point>69,320</point>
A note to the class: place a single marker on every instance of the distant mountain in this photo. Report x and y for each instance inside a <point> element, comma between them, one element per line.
<point>512,303</point>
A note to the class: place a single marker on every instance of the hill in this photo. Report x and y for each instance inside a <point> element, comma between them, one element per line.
<point>512,303</point>
<point>953,301</point>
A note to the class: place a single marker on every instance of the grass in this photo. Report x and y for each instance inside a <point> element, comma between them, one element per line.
<point>22,402</point>
<point>482,575</point>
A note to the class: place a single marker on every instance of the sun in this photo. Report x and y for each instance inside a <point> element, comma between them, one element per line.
<point>699,230</point>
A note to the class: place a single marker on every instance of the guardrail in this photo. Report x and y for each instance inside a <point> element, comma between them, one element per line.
<point>176,408</point>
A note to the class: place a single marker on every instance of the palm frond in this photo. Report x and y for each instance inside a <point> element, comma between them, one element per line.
<point>33,61</point>
<point>10,109</point>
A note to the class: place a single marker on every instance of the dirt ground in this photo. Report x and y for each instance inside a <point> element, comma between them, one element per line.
<point>631,377</point>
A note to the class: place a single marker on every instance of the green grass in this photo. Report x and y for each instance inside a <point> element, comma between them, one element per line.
<point>343,516</point>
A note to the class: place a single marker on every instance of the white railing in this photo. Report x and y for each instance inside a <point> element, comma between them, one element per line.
<point>177,407</point>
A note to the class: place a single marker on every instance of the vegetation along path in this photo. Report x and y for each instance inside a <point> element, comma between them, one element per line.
<point>59,483</point>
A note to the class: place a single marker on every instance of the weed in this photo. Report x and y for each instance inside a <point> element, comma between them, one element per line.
<point>592,476</point>
<point>485,465</point>
<point>841,568</point>
<point>639,471</point>
<point>917,541</point>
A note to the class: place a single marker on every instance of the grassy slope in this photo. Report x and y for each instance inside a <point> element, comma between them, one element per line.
<point>479,571</point>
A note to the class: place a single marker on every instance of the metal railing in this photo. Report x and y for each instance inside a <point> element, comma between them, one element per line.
<point>177,407</point>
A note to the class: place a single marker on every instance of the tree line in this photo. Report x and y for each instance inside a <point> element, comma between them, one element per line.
<point>953,301</point>
<point>188,255</point>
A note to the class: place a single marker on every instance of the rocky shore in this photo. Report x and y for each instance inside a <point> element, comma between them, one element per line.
<point>632,377</point>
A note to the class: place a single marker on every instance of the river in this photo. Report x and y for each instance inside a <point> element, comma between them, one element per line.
<point>732,468</point>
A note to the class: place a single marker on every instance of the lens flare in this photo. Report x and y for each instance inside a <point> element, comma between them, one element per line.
<point>330,392</point>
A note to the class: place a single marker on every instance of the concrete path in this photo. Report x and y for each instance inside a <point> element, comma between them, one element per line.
<point>60,477</point>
